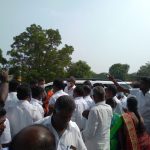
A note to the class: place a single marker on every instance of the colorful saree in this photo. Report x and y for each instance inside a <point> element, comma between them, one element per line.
<point>134,141</point>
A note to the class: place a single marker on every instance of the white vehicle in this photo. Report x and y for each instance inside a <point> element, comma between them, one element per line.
<point>48,86</point>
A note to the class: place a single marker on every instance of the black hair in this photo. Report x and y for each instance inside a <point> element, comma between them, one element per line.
<point>79,90</point>
<point>145,80</point>
<point>98,84</point>
<point>112,88</point>
<point>132,105</point>
<point>111,102</point>
<point>72,79</point>
<point>58,83</point>
<point>87,82</point>
<point>36,91</point>
<point>87,90</point>
<point>13,85</point>
<point>33,82</point>
<point>65,103</point>
<point>99,92</point>
<point>23,91</point>
<point>2,111</point>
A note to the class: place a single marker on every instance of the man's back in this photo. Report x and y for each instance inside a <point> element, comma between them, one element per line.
<point>97,131</point>
<point>77,117</point>
<point>22,115</point>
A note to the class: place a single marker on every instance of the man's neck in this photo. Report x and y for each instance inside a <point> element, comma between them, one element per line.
<point>57,127</point>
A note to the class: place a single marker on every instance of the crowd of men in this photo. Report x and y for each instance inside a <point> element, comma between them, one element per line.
<point>71,117</point>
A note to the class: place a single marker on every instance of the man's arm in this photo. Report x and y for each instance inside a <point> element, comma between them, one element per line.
<point>91,126</point>
<point>119,88</point>
<point>4,86</point>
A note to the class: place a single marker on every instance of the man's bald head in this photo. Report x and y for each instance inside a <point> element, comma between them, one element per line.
<point>35,137</point>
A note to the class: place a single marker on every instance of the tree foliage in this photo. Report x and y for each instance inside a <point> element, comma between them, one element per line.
<point>144,70</point>
<point>3,60</point>
<point>36,53</point>
<point>100,76</point>
<point>119,71</point>
<point>80,69</point>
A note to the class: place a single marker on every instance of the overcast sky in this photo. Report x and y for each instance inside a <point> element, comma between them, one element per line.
<point>103,32</point>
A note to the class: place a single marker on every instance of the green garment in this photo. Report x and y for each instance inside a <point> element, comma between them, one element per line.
<point>116,124</point>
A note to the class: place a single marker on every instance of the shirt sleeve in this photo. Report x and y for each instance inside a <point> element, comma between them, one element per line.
<point>134,91</point>
<point>6,135</point>
<point>52,101</point>
<point>77,116</point>
<point>37,115</point>
<point>91,125</point>
<point>80,144</point>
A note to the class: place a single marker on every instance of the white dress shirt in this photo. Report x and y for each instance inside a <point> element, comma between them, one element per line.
<point>55,96</point>
<point>37,104</point>
<point>11,100</point>
<point>22,115</point>
<point>143,106</point>
<point>77,117</point>
<point>6,135</point>
<point>123,101</point>
<point>118,109</point>
<point>90,102</point>
<point>69,91</point>
<point>97,132</point>
<point>71,135</point>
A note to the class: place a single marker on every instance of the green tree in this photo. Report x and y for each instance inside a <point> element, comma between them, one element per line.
<point>132,77</point>
<point>144,70</point>
<point>36,53</point>
<point>3,60</point>
<point>119,71</point>
<point>80,69</point>
<point>100,76</point>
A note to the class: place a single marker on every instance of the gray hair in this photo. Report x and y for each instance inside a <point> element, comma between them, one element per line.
<point>99,92</point>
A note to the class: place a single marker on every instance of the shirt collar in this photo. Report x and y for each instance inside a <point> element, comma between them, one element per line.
<point>60,91</point>
<point>102,102</point>
<point>24,101</point>
<point>88,96</point>
<point>36,100</point>
<point>78,98</point>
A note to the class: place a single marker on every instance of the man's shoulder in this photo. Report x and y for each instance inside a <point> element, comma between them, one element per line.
<point>46,121</point>
<point>58,94</point>
<point>101,106</point>
<point>73,126</point>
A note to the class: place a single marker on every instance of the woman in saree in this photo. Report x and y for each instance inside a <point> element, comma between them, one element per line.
<point>135,135</point>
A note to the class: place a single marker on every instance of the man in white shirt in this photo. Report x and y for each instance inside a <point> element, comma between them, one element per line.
<point>5,136</point>
<point>24,113</point>
<point>12,95</point>
<point>87,96</point>
<point>123,100</point>
<point>58,86</point>
<point>97,132</point>
<point>36,99</point>
<point>111,92</point>
<point>143,97</point>
<point>66,132</point>
<point>81,105</point>
<point>70,86</point>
